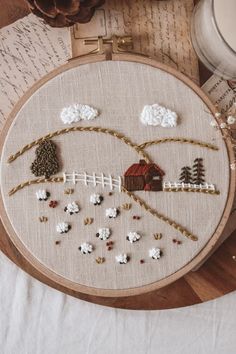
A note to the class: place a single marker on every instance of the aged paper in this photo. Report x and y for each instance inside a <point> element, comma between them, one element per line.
<point>160,29</point>
<point>28,50</point>
<point>221,92</point>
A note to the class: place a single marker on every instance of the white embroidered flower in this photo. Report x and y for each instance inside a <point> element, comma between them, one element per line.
<point>133,237</point>
<point>86,248</point>
<point>158,115</point>
<point>63,227</point>
<point>103,233</point>
<point>214,124</point>
<point>223,125</point>
<point>72,208</point>
<point>111,213</point>
<point>122,258</point>
<point>42,194</point>
<point>155,253</point>
<point>76,112</point>
<point>231,120</point>
<point>96,199</point>
<point>233,166</point>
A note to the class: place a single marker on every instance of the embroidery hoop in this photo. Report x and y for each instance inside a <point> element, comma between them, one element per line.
<point>66,283</point>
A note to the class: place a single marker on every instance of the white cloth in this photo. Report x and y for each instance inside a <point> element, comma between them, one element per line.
<point>35,319</point>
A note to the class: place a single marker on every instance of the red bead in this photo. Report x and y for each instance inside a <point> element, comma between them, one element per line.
<point>53,204</point>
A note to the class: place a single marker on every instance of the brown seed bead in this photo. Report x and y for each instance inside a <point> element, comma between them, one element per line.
<point>174,240</point>
<point>109,248</point>
<point>142,261</point>
<point>110,193</point>
<point>57,242</point>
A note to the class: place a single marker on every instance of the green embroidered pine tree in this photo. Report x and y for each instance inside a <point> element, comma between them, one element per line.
<point>46,162</point>
<point>198,171</point>
<point>186,175</point>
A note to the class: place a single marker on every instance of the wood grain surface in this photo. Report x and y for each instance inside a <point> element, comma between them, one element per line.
<point>215,278</point>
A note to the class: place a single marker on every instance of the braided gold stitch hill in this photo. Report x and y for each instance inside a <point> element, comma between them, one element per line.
<point>108,131</point>
<point>114,133</point>
<point>142,203</point>
<point>178,140</point>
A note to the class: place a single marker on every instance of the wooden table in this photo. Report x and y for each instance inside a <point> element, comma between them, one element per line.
<point>215,278</point>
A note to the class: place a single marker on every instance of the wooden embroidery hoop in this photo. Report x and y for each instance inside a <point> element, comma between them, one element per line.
<point>72,287</point>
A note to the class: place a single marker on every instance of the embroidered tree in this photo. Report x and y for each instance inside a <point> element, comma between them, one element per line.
<point>46,162</point>
<point>198,171</point>
<point>186,175</point>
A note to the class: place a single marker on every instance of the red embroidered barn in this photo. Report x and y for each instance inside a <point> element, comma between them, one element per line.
<point>143,176</point>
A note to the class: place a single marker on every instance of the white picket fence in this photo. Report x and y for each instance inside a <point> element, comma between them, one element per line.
<point>94,179</point>
<point>183,186</point>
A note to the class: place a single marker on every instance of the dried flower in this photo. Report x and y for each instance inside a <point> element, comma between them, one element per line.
<point>231,120</point>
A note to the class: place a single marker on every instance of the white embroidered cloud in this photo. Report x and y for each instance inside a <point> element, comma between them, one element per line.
<point>77,112</point>
<point>158,115</point>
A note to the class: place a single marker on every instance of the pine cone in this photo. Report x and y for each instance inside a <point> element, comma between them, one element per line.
<point>64,13</point>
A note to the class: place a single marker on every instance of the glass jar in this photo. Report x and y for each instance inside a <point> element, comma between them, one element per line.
<point>213,33</point>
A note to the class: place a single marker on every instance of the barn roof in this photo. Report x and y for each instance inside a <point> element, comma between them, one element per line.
<point>142,168</point>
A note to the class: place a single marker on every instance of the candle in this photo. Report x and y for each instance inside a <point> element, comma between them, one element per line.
<point>214,36</point>
<point>225,16</point>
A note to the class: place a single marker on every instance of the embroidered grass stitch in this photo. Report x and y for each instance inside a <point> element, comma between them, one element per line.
<point>100,260</point>
<point>88,221</point>
<point>158,236</point>
<point>126,206</point>
<point>43,219</point>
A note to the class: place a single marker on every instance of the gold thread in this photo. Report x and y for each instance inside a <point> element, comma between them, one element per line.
<point>178,140</point>
<point>160,216</point>
<point>35,181</point>
<point>126,206</point>
<point>108,131</point>
<point>69,191</point>
<point>158,236</point>
<point>88,221</point>
<point>43,219</point>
